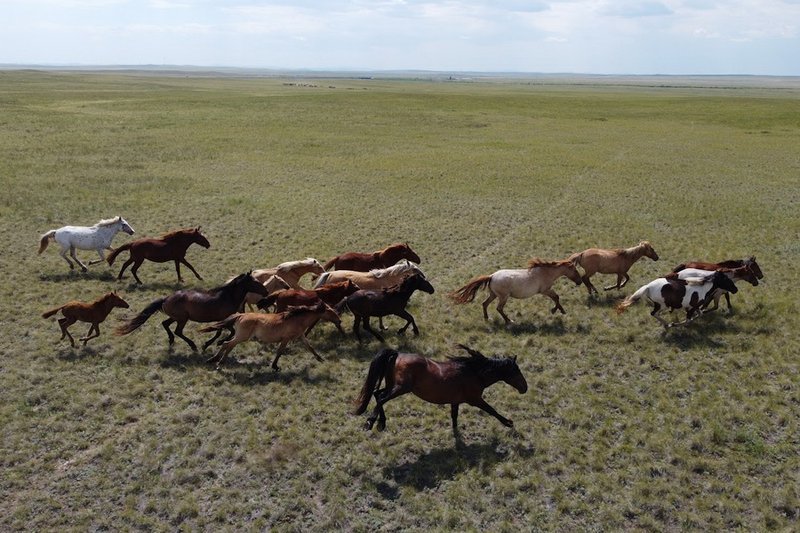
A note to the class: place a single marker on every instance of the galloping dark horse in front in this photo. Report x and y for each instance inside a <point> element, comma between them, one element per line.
<point>170,247</point>
<point>381,259</point>
<point>199,306</point>
<point>456,381</point>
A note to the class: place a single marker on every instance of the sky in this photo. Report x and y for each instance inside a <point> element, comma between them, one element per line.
<point>680,37</point>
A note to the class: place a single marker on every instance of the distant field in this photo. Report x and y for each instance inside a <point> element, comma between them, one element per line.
<point>623,426</point>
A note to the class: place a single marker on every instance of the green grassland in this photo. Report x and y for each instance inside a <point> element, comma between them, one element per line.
<point>623,427</point>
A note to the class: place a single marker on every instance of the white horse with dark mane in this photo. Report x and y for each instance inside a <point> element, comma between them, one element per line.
<point>97,237</point>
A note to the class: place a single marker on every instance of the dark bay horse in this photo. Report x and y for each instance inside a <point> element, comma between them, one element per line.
<point>364,262</point>
<point>94,313</point>
<point>198,306</point>
<point>169,247</point>
<point>456,381</point>
<point>383,302</point>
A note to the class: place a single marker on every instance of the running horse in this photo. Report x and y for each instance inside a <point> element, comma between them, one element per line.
<point>94,313</point>
<point>364,262</point>
<point>197,306</point>
<point>169,247</point>
<point>617,261</point>
<point>455,381</point>
<point>735,274</point>
<point>97,237</point>
<point>289,272</point>
<point>538,278</point>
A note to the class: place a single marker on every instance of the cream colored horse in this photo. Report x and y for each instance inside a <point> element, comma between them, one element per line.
<point>291,271</point>
<point>374,279</point>
<point>272,284</point>
<point>617,261</point>
<point>538,278</point>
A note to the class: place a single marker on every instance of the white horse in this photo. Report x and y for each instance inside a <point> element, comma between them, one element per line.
<point>691,294</point>
<point>97,237</point>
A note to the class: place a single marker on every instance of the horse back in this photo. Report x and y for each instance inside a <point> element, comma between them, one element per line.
<point>438,382</point>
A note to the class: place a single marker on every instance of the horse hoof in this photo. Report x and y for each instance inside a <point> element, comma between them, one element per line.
<point>381,425</point>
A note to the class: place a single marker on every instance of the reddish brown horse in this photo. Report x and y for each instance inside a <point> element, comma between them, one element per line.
<point>94,313</point>
<point>456,381</point>
<point>750,263</point>
<point>331,294</point>
<point>198,306</point>
<point>362,262</point>
<point>169,247</point>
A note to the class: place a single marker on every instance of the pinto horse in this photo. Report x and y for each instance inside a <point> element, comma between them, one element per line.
<point>97,237</point>
<point>94,313</point>
<point>617,261</point>
<point>272,327</point>
<point>735,274</point>
<point>538,278</point>
<point>456,381</point>
<point>688,294</point>
<point>749,263</point>
<point>198,306</point>
<point>381,259</point>
<point>391,301</point>
<point>169,247</point>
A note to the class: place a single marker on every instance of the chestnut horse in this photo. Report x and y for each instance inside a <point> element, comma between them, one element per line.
<point>381,259</point>
<point>169,247</point>
<point>272,327</point>
<point>750,263</point>
<point>331,294</point>
<point>538,278</point>
<point>198,306</point>
<point>390,301</point>
<point>735,274</point>
<point>456,381</point>
<point>617,261</point>
<point>94,313</point>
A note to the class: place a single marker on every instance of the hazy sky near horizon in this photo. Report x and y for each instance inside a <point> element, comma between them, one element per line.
<point>759,37</point>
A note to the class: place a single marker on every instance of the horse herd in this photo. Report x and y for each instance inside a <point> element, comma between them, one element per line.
<point>370,285</point>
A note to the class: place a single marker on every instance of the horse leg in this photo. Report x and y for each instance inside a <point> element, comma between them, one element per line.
<point>356,328</point>
<point>728,301</point>
<point>210,341</point>
<point>550,293</point>
<point>480,403</point>
<point>222,353</point>
<point>409,322</point>
<point>654,314</point>
<point>454,416</point>
<point>136,264</point>
<point>378,413</point>
<point>617,286</point>
<point>185,262</point>
<point>589,287</point>
<point>381,327</point>
<point>489,299</point>
<point>310,348</point>
<point>626,280</point>
<point>278,353</point>
<point>125,265</point>
<point>178,270</point>
<point>179,333</point>
<point>63,253</point>
<point>500,305</point>
<point>369,328</point>
<point>166,324</point>
<point>65,323</point>
<point>75,257</point>
<point>102,257</point>
<point>94,327</point>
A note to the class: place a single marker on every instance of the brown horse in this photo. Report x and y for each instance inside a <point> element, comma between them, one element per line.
<point>198,306</point>
<point>745,273</point>
<point>331,294</point>
<point>617,261</point>
<point>538,278</point>
<point>362,262</point>
<point>94,313</point>
<point>750,263</point>
<point>391,301</point>
<point>169,247</point>
<point>272,327</point>
<point>459,380</point>
<point>272,284</point>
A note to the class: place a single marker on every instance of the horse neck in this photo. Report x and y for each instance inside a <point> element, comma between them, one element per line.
<point>388,257</point>
<point>635,253</point>
<point>182,241</point>
<point>105,234</point>
<point>547,274</point>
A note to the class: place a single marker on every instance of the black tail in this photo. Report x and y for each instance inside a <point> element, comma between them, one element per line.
<point>378,368</point>
<point>268,301</point>
<point>141,318</point>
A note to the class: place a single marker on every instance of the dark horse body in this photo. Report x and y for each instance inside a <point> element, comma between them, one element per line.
<point>730,265</point>
<point>383,302</point>
<point>198,306</point>
<point>330,294</point>
<point>170,247</point>
<point>456,381</point>
<point>94,313</point>
<point>362,262</point>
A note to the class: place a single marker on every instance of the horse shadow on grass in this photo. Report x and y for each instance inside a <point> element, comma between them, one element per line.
<point>552,327</point>
<point>607,301</point>
<point>252,374</point>
<point>700,332</point>
<point>74,275</point>
<point>429,469</point>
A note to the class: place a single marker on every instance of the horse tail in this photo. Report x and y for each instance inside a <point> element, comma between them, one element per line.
<point>51,312</point>
<point>378,368</point>
<point>576,258</point>
<point>268,301</point>
<point>323,278</point>
<point>330,264</point>
<point>632,299</point>
<point>45,240</point>
<point>114,253</point>
<point>222,324</point>
<point>141,318</point>
<point>467,292</point>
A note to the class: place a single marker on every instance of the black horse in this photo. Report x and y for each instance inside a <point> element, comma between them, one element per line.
<point>390,301</point>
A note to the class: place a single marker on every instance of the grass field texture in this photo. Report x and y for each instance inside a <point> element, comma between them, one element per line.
<point>623,427</point>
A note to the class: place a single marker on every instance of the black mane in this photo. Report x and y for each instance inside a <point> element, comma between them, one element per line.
<point>480,365</point>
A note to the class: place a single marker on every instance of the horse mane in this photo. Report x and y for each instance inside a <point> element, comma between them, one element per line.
<point>227,284</point>
<point>298,310</point>
<point>477,363</point>
<point>537,262</point>
<point>395,245</point>
<point>401,266</point>
<point>732,263</point>
<point>176,232</point>
<point>633,249</point>
<point>108,221</point>
<point>289,265</point>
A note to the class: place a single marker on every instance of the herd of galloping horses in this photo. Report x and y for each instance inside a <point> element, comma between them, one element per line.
<point>368,285</point>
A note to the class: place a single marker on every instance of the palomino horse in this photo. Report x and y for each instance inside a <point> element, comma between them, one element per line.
<point>291,271</point>
<point>169,247</point>
<point>391,301</point>
<point>689,294</point>
<point>272,327</point>
<point>735,274</point>
<point>617,261</point>
<point>94,313</point>
<point>538,278</point>
<point>459,380</point>
<point>97,237</point>
<point>380,259</point>
<point>198,306</point>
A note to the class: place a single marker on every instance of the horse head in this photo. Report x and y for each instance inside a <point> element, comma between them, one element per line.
<point>721,280</point>
<point>512,375</point>
<point>648,250</point>
<point>199,238</point>
<point>116,300</point>
<point>124,226</point>
<point>407,253</point>
<point>572,271</point>
<point>417,282</point>
<point>751,263</point>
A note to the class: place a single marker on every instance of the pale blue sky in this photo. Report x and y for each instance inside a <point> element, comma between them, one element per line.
<point>579,36</point>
